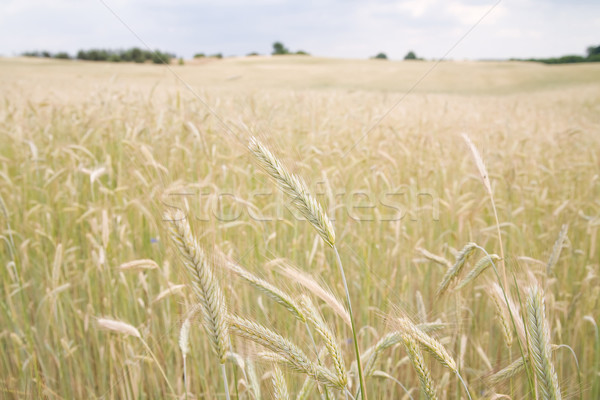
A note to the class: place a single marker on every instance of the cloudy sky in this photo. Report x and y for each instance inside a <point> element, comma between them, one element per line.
<point>334,28</point>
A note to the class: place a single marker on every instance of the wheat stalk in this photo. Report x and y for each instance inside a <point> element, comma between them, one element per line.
<point>541,348</point>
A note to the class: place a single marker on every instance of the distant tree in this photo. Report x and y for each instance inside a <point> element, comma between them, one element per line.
<point>31,54</point>
<point>279,49</point>
<point>254,53</point>
<point>593,51</point>
<point>217,55</point>
<point>381,56</point>
<point>410,56</point>
<point>569,59</point>
<point>159,57</point>
<point>199,55</point>
<point>302,53</point>
<point>46,54</point>
<point>137,55</point>
<point>181,62</point>
<point>593,58</point>
<point>62,55</point>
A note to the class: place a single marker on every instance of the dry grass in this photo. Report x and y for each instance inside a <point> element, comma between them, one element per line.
<point>92,154</point>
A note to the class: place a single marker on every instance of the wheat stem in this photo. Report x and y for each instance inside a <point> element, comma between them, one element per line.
<point>361,378</point>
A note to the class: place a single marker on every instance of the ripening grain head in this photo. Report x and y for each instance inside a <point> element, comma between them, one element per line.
<point>296,189</point>
<point>118,326</point>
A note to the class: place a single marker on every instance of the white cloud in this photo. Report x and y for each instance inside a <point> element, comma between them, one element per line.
<point>470,14</point>
<point>416,8</point>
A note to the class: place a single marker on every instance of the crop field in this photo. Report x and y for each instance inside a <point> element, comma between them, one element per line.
<point>164,230</point>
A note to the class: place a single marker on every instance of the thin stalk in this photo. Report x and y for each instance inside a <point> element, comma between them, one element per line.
<point>185,377</point>
<point>464,385</point>
<point>225,383</point>
<point>510,311</point>
<point>363,391</point>
<point>312,339</point>
<point>505,281</point>
<point>162,371</point>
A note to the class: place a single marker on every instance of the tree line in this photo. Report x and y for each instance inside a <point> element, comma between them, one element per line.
<point>593,55</point>
<point>138,55</point>
<point>134,54</point>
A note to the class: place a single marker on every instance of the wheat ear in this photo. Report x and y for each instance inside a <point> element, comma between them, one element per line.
<point>557,249</point>
<point>280,390</point>
<point>282,350</point>
<point>296,189</point>
<point>541,349</point>
<point>204,283</point>
<point>331,344</point>
<point>308,282</point>
<point>308,206</point>
<point>416,357</point>
<point>306,389</point>
<point>205,286</point>
<point>435,258</point>
<point>127,329</point>
<point>478,269</point>
<point>485,178</point>
<point>454,271</point>
<point>508,372</point>
<point>504,313</point>
<point>268,289</point>
<point>432,345</point>
<point>184,345</point>
<point>391,339</point>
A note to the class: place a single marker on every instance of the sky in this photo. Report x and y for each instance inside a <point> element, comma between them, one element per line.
<point>329,28</point>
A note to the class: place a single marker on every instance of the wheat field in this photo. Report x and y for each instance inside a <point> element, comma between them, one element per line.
<point>99,302</point>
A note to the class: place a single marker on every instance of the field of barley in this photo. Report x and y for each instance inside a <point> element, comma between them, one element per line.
<point>164,230</point>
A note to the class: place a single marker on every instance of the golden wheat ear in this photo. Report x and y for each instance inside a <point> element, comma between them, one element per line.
<point>203,282</point>
<point>296,189</point>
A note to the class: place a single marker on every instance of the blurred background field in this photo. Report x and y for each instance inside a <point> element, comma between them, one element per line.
<point>91,153</point>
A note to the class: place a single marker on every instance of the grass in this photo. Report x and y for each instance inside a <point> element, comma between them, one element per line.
<point>93,154</point>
